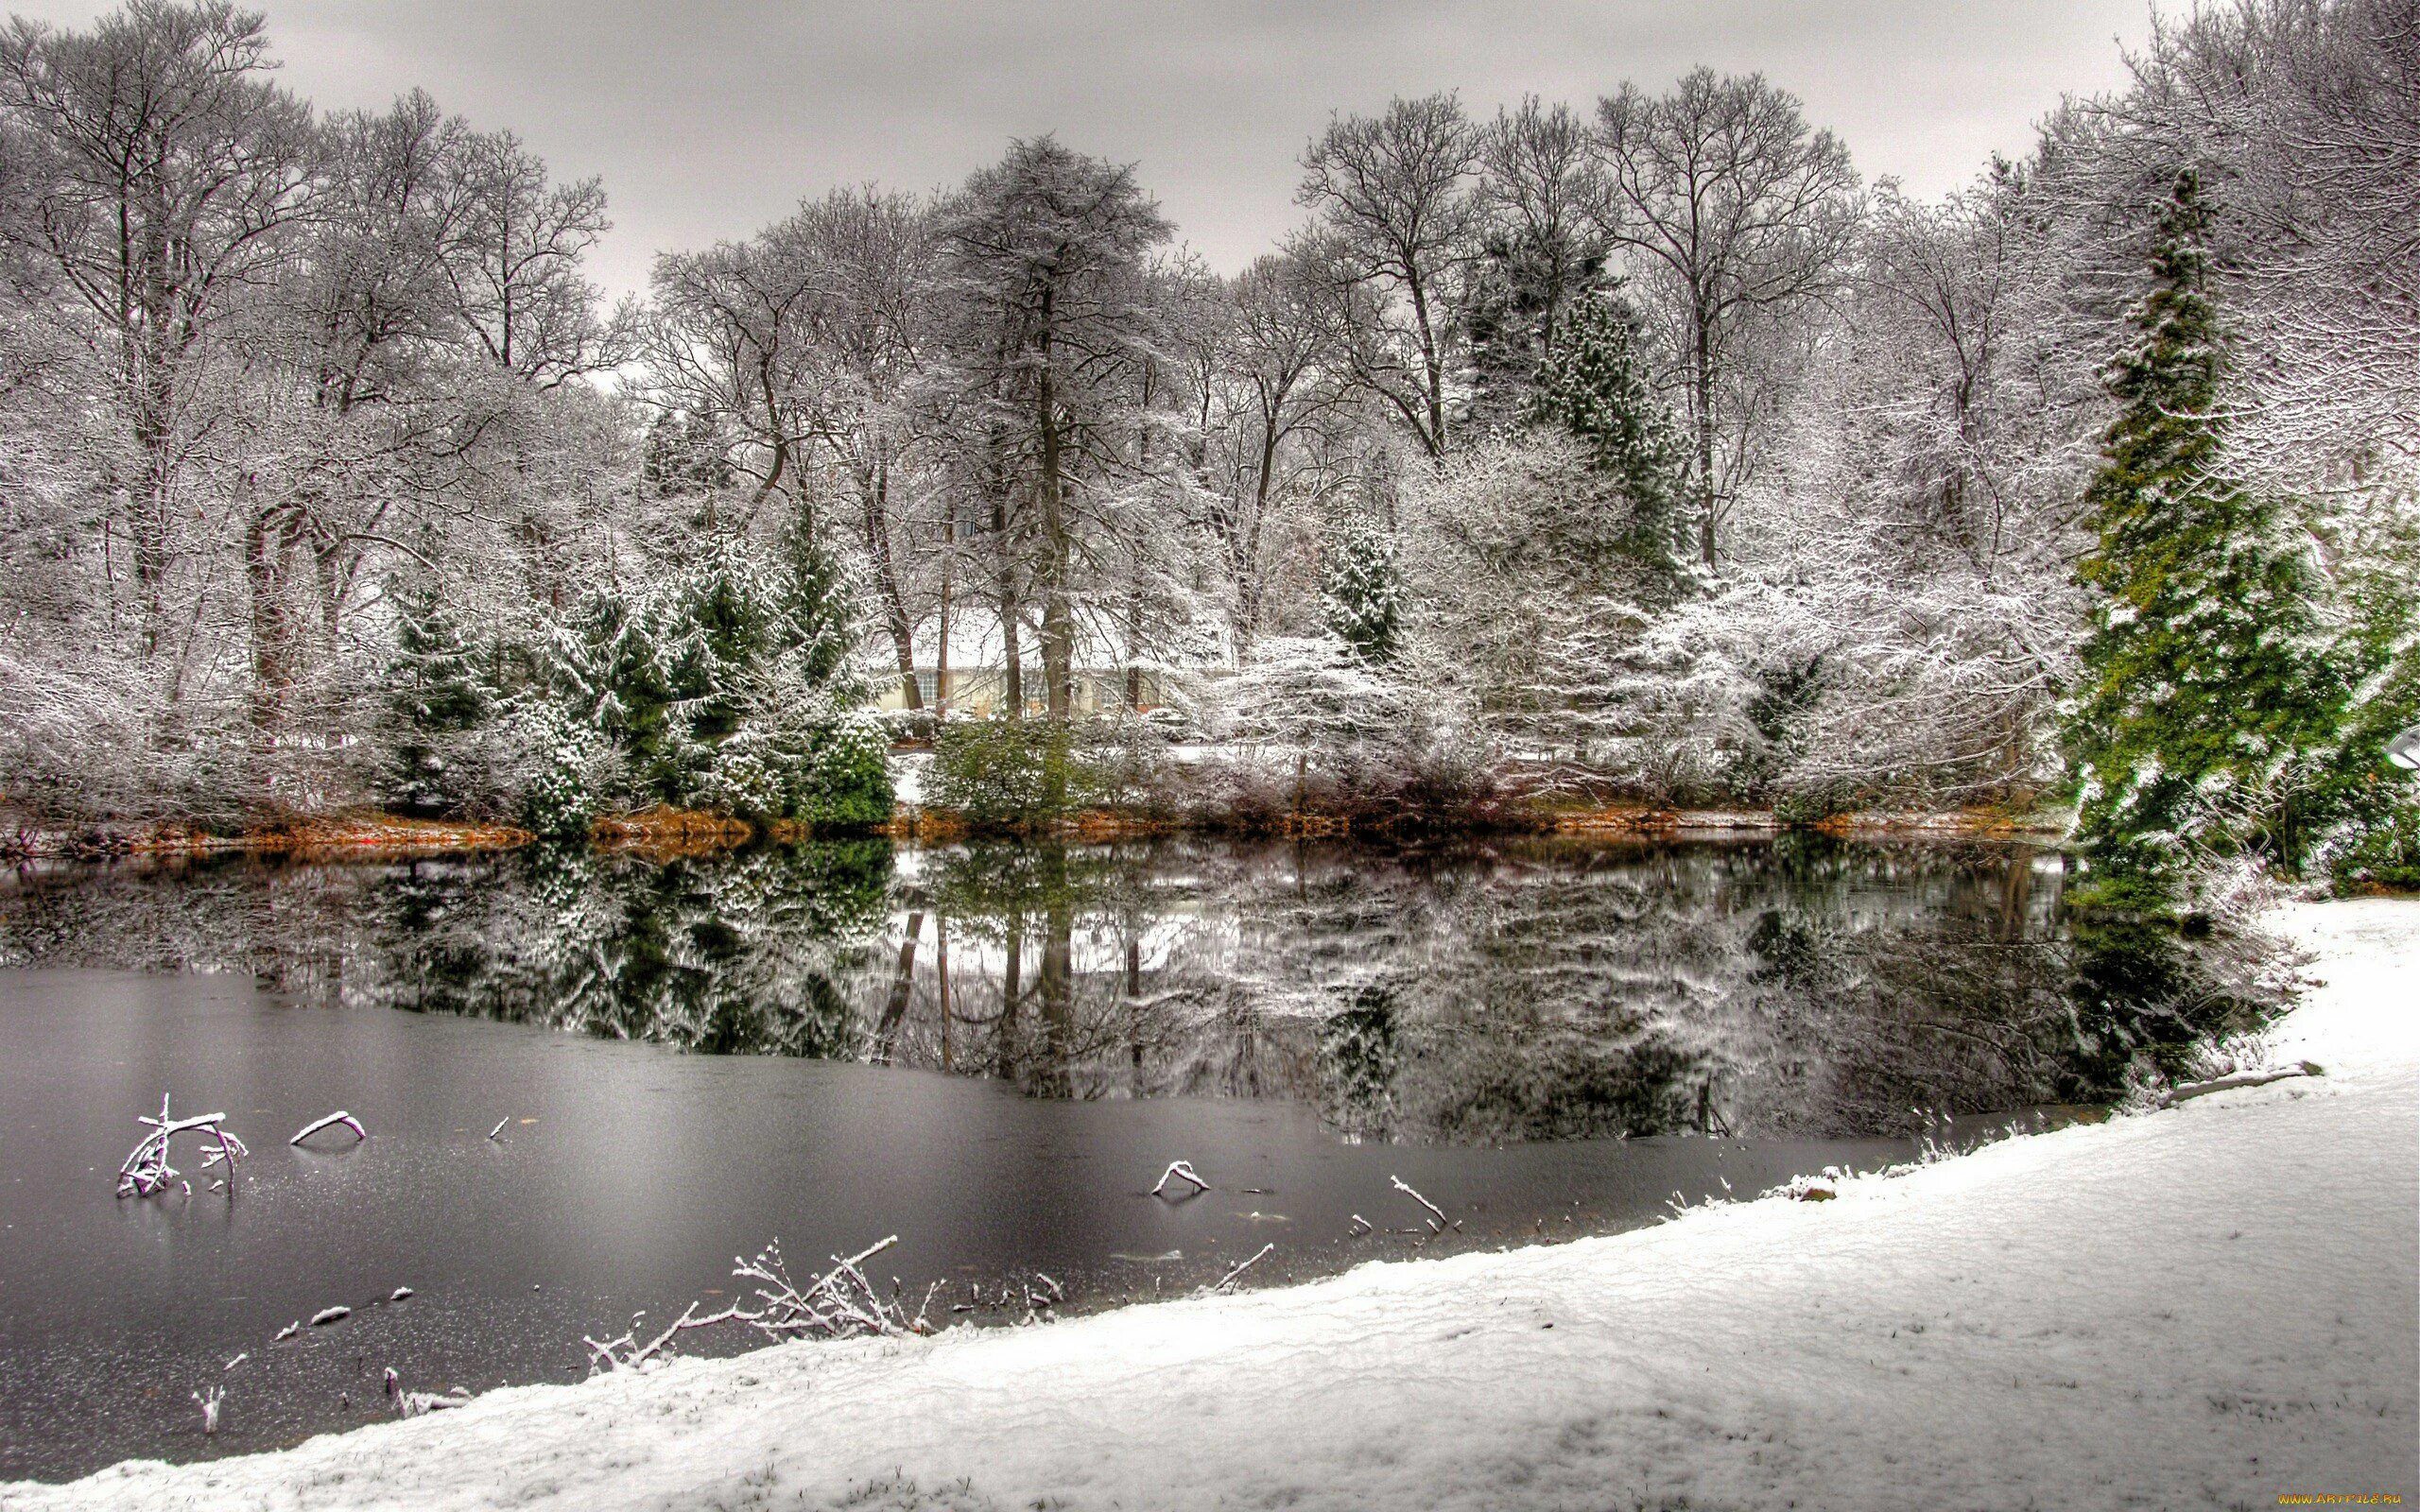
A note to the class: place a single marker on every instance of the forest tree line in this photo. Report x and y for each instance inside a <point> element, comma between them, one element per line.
<point>1637,445</point>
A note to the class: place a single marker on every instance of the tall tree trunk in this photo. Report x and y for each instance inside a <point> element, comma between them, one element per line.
<point>874,487</point>
<point>1702,380</point>
<point>1058,616</point>
<point>270,536</point>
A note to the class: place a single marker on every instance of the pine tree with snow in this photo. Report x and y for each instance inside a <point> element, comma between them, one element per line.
<point>1594,386</point>
<point>437,690</point>
<point>2203,710</point>
<point>1361,592</point>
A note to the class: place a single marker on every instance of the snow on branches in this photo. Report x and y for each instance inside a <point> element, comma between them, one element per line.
<point>839,1303</point>
<point>146,1171</point>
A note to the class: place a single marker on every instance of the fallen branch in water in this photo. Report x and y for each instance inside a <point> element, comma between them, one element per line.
<point>1229,1279</point>
<point>2242,1079</point>
<point>1436,1224</point>
<point>146,1170</point>
<point>420,1403</point>
<point>841,1304</point>
<point>339,1116</point>
<point>1180,1171</point>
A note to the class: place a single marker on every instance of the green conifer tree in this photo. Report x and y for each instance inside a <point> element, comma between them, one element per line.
<point>2203,711</point>
<point>437,690</point>
<point>1594,386</point>
<point>1360,593</point>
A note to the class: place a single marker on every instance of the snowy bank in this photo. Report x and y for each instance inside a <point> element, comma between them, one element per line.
<point>2212,1305</point>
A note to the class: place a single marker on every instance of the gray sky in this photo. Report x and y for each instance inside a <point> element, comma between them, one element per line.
<point>710,119</point>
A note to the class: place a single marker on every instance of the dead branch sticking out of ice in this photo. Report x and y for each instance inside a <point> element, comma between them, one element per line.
<point>499,1125</point>
<point>339,1116</point>
<point>1227,1281</point>
<point>838,1304</point>
<point>1438,1220</point>
<point>420,1403</point>
<point>146,1170</point>
<point>1179,1171</point>
<point>210,1406</point>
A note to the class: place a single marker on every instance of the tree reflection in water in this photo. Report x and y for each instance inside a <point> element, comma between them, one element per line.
<point>1533,990</point>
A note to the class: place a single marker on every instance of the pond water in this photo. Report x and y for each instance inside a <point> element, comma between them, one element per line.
<point>989,1051</point>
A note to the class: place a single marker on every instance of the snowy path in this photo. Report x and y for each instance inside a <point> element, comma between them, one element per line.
<point>2205,1307</point>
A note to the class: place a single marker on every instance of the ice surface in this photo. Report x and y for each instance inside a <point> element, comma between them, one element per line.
<point>2206,1306</point>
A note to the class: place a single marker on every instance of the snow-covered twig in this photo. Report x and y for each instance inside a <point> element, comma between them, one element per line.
<point>210,1406</point>
<point>339,1116</point>
<point>419,1403</point>
<point>2243,1079</point>
<point>1180,1171</point>
<point>841,1303</point>
<point>330,1315</point>
<point>147,1169</point>
<point>1229,1279</point>
<point>499,1125</point>
<point>1439,1220</point>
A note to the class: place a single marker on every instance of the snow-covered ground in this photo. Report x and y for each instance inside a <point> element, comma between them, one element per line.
<point>2211,1306</point>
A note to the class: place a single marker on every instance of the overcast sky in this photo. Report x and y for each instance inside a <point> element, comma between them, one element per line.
<point>709,119</point>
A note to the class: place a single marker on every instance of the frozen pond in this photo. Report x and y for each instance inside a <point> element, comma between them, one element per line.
<point>990,1051</point>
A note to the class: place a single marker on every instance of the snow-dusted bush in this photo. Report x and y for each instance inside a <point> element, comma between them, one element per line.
<point>1016,772</point>
<point>1309,724</point>
<point>566,772</point>
<point>801,757</point>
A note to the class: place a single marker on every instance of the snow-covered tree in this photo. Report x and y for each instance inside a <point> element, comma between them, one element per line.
<point>1362,591</point>
<point>1593,384</point>
<point>2202,709</point>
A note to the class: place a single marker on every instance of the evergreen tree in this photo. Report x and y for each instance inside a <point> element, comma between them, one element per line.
<point>2203,711</point>
<point>437,690</point>
<point>2373,802</point>
<point>683,455</point>
<point>818,615</point>
<point>1522,292</point>
<point>1362,593</point>
<point>728,685</point>
<point>1593,385</point>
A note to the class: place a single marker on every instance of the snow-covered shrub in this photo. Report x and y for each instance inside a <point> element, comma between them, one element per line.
<point>568,763</point>
<point>1310,725</point>
<point>1012,772</point>
<point>725,685</point>
<point>1002,771</point>
<point>800,757</point>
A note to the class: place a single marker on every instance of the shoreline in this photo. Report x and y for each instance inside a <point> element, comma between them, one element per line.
<point>665,833</point>
<point>2212,1303</point>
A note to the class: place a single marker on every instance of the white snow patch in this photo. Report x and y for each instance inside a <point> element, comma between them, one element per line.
<point>2208,1306</point>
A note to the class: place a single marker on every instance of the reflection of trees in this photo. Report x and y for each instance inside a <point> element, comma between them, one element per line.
<point>736,951</point>
<point>1524,990</point>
